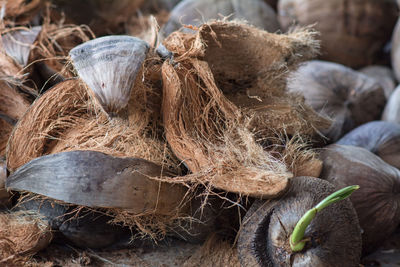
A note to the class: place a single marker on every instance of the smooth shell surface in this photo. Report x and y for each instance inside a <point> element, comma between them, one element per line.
<point>194,12</point>
<point>109,65</point>
<point>377,202</point>
<point>334,234</point>
<point>348,97</point>
<point>18,43</point>
<point>94,179</point>
<point>391,113</point>
<point>380,137</point>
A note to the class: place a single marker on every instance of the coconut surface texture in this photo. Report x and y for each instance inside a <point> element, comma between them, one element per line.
<point>111,85</point>
<point>377,201</point>
<point>380,137</point>
<point>195,13</point>
<point>383,75</point>
<point>391,113</point>
<point>333,236</point>
<point>346,96</point>
<point>353,33</point>
<point>215,110</point>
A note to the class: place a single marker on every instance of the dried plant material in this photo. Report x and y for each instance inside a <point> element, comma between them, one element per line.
<point>383,75</point>
<point>353,33</point>
<point>21,11</point>
<point>21,236</point>
<point>391,113</point>
<point>195,13</point>
<point>380,137</point>
<point>346,96</point>
<point>214,252</point>
<point>4,195</point>
<point>91,179</point>
<point>109,65</point>
<point>19,42</point>
<point>214,109</point>
<point>12,106</point>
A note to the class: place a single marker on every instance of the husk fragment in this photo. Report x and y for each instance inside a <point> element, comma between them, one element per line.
<point>225,95</point>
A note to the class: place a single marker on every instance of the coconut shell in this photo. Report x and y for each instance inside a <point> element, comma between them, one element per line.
<point>359,33</point>
<point>195,13</point>
<point>395,52</point>
<point>383,75</point>
<point>108,61</point>
<point>333,235</point>
<point>380,137</point>
<point>93,180</point>
<point>22,234</point>
<point>391,113</point>
<point>377,201</point>
<point>346,96</point>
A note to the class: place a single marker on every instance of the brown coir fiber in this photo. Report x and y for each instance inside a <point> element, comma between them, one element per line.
<point>21,235</point>
<point>225,106</point>
<point>68,118</point>
<point>12,106</point>
<point>21,11</point>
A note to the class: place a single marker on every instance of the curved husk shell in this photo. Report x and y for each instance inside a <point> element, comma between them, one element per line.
<point>353,33</point>
<point>91,179</point>
<point>380,137</point>
<point>105,62</point>
<point>377,201</point>
<point>212,127</point>
<point>383,75</point>
<point>334,232</point>
<point>391,113</point>
<point>346,96</point>
<point>195,13</point>
<point>22,234</point>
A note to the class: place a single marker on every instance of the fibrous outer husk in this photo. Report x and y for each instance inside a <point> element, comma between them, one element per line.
<point>12,107</point>
<point>226,91</point>
<point>4,195</point>
<point>21,235</point>
<point>353,33</point>
<point>21,11</point>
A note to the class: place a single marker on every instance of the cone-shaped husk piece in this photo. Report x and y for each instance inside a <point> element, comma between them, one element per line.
<point>333,236</point>
<point>93,61</point>
<point>377,202</point>
<point>380,137</point>
<point>346,96</point>
<point>214,109</point>
<point>193,12</point>
<point>92,179</point>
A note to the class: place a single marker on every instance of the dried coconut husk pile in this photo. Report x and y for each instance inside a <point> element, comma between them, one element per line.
<point>226,108</point>
<point>21,236</point>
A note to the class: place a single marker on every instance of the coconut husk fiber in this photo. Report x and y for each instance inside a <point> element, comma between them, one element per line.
<point>21,235</point>
<point>225,96</point>
<point>12,107</point>
<point>21,11</point>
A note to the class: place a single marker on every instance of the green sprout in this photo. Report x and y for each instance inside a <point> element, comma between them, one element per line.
<point>297,241</point>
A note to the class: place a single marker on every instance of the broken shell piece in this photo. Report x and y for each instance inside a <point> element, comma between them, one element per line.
<point>109,65</point>
<point>18,43</point>
<point>94,179</point>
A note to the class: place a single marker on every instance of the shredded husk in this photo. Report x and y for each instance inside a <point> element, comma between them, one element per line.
<point>21,11</point>
<point>21,235</point>
<point>225,105</point>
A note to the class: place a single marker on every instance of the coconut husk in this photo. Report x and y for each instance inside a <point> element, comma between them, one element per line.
<point>214,252</point>
<point>21,235</point>
<point>217,113</point>
<point>12,106</point>
<point>21,11</point>
<point>4,195</point>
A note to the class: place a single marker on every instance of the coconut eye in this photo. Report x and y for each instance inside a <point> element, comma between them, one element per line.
<point>109,65</point>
